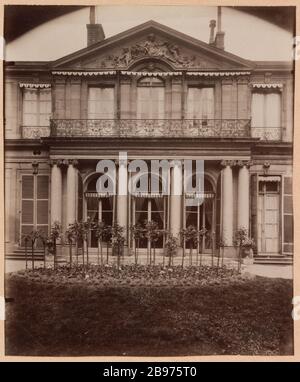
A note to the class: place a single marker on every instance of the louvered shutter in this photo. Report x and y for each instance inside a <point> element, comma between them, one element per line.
<point>288,222</point>
<point>42,207</point>
<point>254,195</point>
<point>27,206</point>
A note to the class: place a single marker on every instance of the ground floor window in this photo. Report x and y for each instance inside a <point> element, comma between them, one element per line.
<point>151,209</point>
<point>34,206</point>
<point>268,214</point>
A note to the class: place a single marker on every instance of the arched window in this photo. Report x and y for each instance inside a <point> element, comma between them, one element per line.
<point>150,98</point>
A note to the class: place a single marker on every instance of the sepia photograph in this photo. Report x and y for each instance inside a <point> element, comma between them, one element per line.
<point>148,180</point>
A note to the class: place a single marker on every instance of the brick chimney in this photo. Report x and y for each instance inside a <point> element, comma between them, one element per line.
<point>95,31</point>
<point>219,40</point>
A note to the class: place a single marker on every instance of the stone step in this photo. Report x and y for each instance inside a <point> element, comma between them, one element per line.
<point>273,260</point>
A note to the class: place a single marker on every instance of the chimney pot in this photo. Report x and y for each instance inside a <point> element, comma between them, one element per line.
<point>212,25</point>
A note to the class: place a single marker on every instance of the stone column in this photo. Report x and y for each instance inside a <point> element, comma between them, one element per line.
<point>227,203</point>
<point>243,195</point>
<point>122,193</point>
<point>71,191</point>
<point>176,198</point>
<point>56,191</point>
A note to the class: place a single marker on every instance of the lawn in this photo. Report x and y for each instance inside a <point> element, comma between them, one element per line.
<point>58,316</point>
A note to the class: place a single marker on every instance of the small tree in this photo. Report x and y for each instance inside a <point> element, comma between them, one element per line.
<point>191,236</point>
<point>241,235</point>
<point>153,233</point>
<point>201,238</point>
<point>55,233</point>
<point>75,232</point>
<point>107,232</point>
<point>86,228</point>
<point>99,228</point>
<point>117,241</point>
<point>138,234</point>
<point>70,236</point>
<point>221,245</point>
<point>171,246</point>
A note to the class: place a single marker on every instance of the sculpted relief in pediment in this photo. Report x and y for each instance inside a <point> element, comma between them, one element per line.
<point>151,46</point>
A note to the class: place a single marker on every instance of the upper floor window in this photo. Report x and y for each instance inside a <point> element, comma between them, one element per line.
<point>36,107</point>
<point>150,98</point>
<point>200,103</point>
<point>101,103</point>
<point>266,109</point>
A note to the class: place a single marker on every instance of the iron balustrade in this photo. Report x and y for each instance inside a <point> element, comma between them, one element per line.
<point>172,128</point>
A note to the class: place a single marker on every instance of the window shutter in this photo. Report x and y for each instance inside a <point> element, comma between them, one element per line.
<point>254,196</point>
<point>288,222</point>
<point>27,206</point>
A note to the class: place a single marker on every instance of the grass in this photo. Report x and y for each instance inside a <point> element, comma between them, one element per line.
<point>250,317</point>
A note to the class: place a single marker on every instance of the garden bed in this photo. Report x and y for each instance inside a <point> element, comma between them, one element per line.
<point>141,311</point>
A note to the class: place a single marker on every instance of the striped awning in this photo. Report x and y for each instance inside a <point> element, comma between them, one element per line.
<point>200,195</point>
<point>34,85</point>
<point>148,195</point>
<point>97,195</point>
<point>267,86</point>
<point>85,73</point>
<point>151,74</point>
<point>217,74</point>
<point>269,178</point>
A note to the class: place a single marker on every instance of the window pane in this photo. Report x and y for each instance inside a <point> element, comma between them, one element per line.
<point>273,110</point>
<point>107,204</point>
<point>27,187</point>
<point>141,204</point>
<point>107,218</point>
<point>141,217</point>
<point>27,211</point>
<point>158,218</point>
<point>92,204</point>
<point>42,187</point>
<point>272,186</point>
<point>157,204</point>
<point>257,110</point>
<point>101,103</point>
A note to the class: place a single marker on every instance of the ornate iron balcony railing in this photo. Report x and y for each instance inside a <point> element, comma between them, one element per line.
<point>173,128</point>
<point>225,128</point>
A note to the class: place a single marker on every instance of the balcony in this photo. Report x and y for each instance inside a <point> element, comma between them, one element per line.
<point>149,128</point>
<point>176,128</point>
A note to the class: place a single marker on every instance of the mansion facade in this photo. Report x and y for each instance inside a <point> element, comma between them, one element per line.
<point>153,93</point>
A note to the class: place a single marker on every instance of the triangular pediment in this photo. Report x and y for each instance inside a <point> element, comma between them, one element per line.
<point>152,40</point>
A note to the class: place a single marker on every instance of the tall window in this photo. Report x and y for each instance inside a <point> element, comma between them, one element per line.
<point>200,103</point>
<point>98,209</point>
<point>268,214</point>
<point>36,107</point>
<point>101,103</point>
<point>266,109</point>
<point>34,204</point>
<point>150,98</point>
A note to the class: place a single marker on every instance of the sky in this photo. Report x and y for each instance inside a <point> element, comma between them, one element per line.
<point>245,35</point>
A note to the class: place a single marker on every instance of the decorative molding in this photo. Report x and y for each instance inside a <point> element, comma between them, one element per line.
<point>56,162</point>
<point>153,47</point>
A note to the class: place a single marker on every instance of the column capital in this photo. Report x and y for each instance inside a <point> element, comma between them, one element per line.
<point>244,163</point>
<point>226,163</point>
<point>69,162</point>
<point>55,162</point>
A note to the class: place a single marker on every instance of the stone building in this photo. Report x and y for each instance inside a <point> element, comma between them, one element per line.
<point>153,93</point>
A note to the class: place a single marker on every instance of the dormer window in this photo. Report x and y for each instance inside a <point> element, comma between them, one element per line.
<point>150,98</point>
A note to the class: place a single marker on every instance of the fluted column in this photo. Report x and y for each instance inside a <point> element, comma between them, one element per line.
<point>243,195</point>
<point>71,191</point>
<point>176,198</point>
<point>56,192</point>
<point>227,203</point>
<point>122,193</point>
